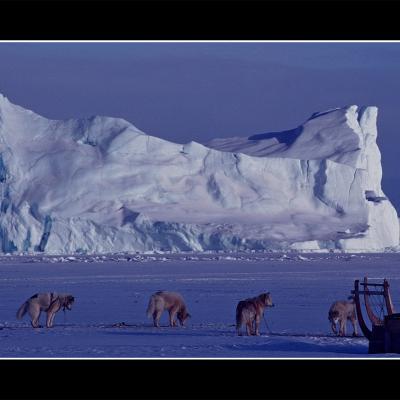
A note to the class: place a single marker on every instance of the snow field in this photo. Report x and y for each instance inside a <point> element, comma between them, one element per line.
<point>108,318</point>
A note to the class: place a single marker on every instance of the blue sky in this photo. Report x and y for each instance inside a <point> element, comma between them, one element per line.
<point>197,91</point>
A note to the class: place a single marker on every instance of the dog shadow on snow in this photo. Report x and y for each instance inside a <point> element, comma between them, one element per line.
<point>302,347</point>
<point>262,348</point>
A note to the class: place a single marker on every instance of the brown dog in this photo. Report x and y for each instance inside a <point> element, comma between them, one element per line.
<point>249,312</point>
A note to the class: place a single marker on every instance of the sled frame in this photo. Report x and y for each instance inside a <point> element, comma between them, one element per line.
<point>366,292</point>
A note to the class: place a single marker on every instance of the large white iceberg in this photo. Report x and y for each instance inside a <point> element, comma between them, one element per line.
<point>100,185</point>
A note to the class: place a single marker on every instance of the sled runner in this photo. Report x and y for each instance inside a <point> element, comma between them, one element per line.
<point>384,335</point>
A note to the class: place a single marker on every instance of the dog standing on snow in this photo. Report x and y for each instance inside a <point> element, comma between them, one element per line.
<point>341,311</point>
<point>48,302</point>
<point>249,312</point>
<point>171,301</point>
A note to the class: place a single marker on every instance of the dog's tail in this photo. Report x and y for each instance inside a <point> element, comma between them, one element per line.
<point>151,307</point>
<point>22,310</point>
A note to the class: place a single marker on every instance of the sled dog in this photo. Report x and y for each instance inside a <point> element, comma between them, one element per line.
<point>340,312</point>
<point>48,302</point>
<point>249,312</point>
<point>171,301</point>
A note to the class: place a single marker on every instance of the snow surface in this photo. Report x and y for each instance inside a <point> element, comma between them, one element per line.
<point>100,185</point>
<point>108,318</point>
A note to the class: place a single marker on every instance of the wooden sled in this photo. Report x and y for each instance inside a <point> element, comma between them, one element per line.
<point>384,335</point>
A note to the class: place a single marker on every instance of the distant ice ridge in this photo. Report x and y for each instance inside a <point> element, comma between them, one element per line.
<point>100,185</point>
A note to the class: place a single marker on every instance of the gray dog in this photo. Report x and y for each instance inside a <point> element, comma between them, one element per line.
<point>48,302</point>
<point>340,312</point>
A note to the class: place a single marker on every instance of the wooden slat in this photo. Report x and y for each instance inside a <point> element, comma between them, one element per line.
<point>371,284</point>
<point>365,330</point>
<point>377,292</point>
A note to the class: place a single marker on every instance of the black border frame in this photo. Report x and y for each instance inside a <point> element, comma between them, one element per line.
<point>199,379</point>
<point>199,20</point>
<point>195,20</point>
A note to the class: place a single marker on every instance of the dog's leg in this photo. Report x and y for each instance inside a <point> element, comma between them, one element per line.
<point>344,326</point>
<point>35,321</point>
<point>249,328</point>
<point>253,326</point>
<point>156,318</point>
<point>333,326</point>
<point>50,319</point>
<point>342,330</point>
<point>34,313</point>
<point>51,312</point>
<point>354,323</point>
<point>257,325</point>
<point>172,317</point>
<point>171,321</point>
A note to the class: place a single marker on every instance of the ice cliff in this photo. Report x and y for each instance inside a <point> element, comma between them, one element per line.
<point>100,185</point>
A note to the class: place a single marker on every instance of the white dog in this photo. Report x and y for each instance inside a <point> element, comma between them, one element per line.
<point>171,301</point>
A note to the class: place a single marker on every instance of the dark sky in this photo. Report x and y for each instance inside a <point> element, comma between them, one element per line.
<point>198,91</point>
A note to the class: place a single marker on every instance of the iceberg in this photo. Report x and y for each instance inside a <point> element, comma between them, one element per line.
<point>101,185</point>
